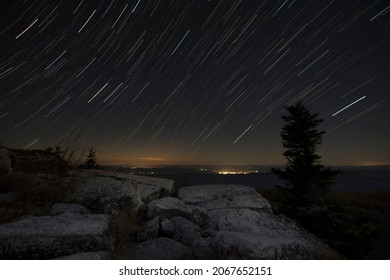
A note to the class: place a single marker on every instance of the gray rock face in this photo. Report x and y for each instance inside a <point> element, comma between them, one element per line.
<point>53,236</point>
<point>166,186</point>
<point>211,197</point>
<point>61,208</point>
<point>149,192</point>
<point>185,231</point>
<point>149,230</point>
<point>169,207</point>
<point>105,191</point>
<point>5,162</point>
<point>160,249</point>
<point>241,225</point>
<point>96,193</point>
<point>101,255</point>
<point>248,234</point>
<point>167,228</point>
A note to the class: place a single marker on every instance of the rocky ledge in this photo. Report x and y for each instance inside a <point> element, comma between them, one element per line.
<point>199,222</point>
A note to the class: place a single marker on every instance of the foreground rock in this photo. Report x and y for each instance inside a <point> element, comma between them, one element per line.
<point>211,197</point>
<point>53,236</point>
<point>169,207</point>
<point>101,255</point>
<point>160,249</point>
<point>102,194</point>
<point>237,223</point>
<point>105,191</point>
<point>247,234</point>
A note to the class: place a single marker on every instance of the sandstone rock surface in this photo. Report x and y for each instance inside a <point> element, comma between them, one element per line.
<point>212,197</point>
<point>160,249</point>
<point>52,236</point>
<point>169,207</point>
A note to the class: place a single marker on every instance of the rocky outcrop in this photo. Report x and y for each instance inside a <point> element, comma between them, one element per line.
<point>247,234</point>
<point>211,197</point>
<point>159,249</point>
<point>53,236</point>
<point>100,255</point>
<point>72,232</point>
<point>165,187</point>
<point>103,194</point>
<point>202,222</point>
<point>169,207</point>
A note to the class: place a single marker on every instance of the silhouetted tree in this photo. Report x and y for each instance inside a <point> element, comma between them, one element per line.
<point>91,161</point>
<point>308,181</point>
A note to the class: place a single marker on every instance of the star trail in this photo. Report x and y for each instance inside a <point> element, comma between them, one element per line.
<point>195,82</point>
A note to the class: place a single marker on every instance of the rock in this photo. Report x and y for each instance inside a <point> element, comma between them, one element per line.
<point>101,194</point>
<point>149,230</point>
<point>149,192</point>
<point>166,185</point>
<point>212,197</point>
<point>5,162</point>
<point>159,249</point>
<point>185,231</point>
<point>61,208</point>
<point>248,234</point>
<point>169,207</point>
<point>100,255</point>
<point>46,237</point>
<point>167,228</point>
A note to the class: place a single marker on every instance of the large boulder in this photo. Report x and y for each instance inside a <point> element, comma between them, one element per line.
<point>159,249</point>
<point>5,162</point>
<point>169,207</point>
<point>211,197</point>
<point>185,231</point>
<point>149,192</point>
<point>149,230</point>
<point>101,194</point>
<point>47,237</point>
<point>100,255</point>
<point>248,234</point>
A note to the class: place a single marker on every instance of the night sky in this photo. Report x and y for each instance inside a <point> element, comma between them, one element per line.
<point>195,82</point>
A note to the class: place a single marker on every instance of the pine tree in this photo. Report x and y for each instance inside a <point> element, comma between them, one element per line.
<point>91,161</point>
<point>308,181</point>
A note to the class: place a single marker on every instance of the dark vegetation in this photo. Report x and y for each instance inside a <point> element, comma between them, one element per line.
<point>357,226</point>
<point>39,179</point>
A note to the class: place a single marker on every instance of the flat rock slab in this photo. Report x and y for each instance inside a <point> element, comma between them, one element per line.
<point>166,184</point>
<point>46,237</point>
<point>160,249</point>
<point>243,233</point>
<point>101,255</point>
<point>212,197</point>
<point>169,207</point>
<point>96,193</point>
